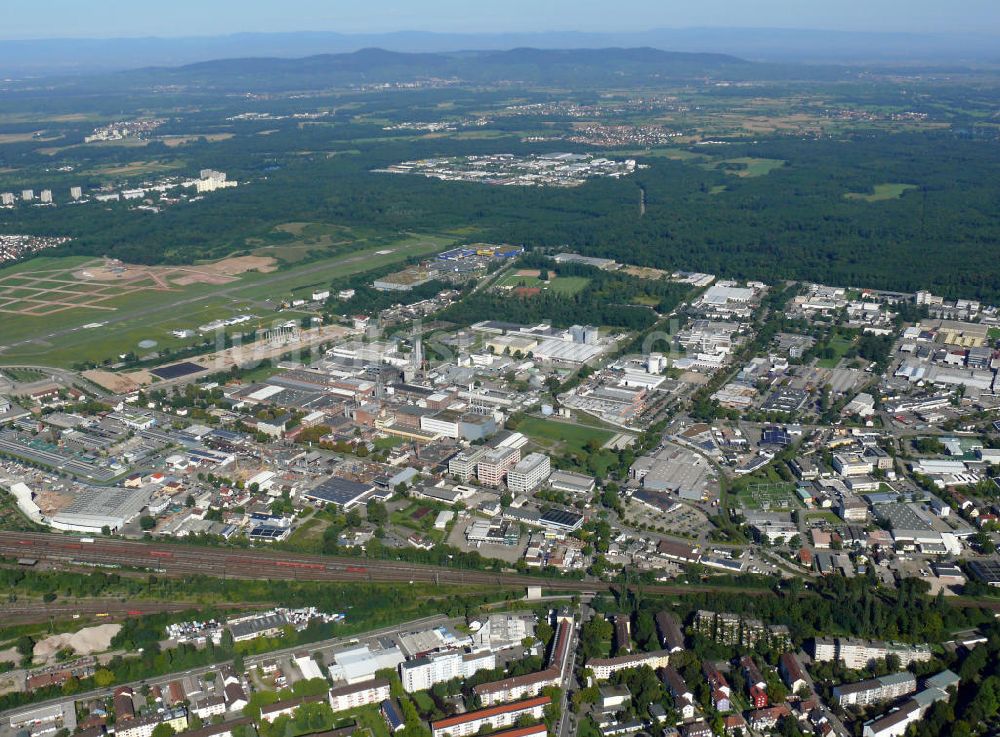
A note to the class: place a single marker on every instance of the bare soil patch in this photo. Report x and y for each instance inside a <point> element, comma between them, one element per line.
<point>87,641</point>
<point>114,383</point>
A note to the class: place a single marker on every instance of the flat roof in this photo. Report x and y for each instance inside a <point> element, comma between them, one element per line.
<point>561,518</point>
<point>337,490</point>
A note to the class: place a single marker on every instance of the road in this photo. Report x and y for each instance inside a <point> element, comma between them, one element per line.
<point>60,376</point>
<point>567,726</point>
<point>250,662</point>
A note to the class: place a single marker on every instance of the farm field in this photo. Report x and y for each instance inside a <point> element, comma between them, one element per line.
<point>77,334</point>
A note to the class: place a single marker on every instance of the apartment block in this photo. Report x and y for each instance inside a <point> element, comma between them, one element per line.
<point>874,690</point>
<point>422,673</point>
<point>359,694</point>
<point>858,654</point>
<point>494,717</point>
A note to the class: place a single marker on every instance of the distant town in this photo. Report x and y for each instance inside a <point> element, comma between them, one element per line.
<point>558,170</point>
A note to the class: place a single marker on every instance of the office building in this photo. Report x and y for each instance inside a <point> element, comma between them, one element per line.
<point>463,465</point>
<point>529,473</point>
<point>493,466</point>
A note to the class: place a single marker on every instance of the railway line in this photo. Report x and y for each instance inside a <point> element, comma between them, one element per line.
<point>70,552</point>
<point>175,559</point>
<point>106,610</point>
<point>76,553</point>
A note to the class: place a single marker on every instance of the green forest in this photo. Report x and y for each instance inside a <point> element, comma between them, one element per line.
<point>805,219</point>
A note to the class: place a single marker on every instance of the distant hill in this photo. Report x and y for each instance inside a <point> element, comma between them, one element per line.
<point>85,56</point>
<point>374,66</point>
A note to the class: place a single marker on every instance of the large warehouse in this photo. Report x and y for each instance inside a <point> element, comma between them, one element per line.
<point>96,508</point>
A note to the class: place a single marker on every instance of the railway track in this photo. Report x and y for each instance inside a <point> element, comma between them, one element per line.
<point>76,553</point>
<point>108,610</point>
<point>103,554</point>
<point>70,552</point>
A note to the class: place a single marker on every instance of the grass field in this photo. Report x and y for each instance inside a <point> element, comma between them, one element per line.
<point>882,192</point>
<point>567,285</point>
<point>557,435</point>
<point>388,442</point>
<point>840,346</point>
<point>823,514</point>
<point>61,339</point>
<point>747,166</point>
<point>139,168</point>
<point>310,534</point>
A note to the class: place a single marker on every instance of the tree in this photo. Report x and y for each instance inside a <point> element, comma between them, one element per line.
<point>163,730</point>
<point>103,678</point>
<point>25,648</point>
<point>544,632</point>
<point>645,630</point>
<point>377,514</point>
<point>147,523</point>
<point>189,501</point>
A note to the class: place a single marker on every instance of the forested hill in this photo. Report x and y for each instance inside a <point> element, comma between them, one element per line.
<point>377,66</point>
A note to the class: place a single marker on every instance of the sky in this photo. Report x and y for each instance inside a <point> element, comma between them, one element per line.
<point>25,19</point>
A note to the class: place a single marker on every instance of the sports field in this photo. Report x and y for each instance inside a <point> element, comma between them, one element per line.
<point>769,496</point>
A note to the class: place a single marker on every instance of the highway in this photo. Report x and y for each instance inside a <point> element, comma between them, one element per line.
<point>251,661</point>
